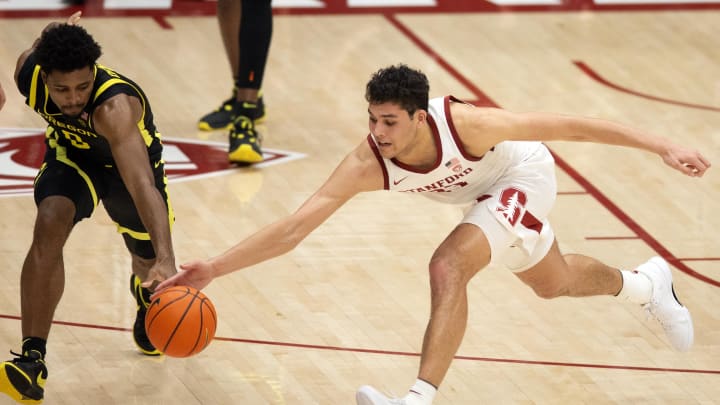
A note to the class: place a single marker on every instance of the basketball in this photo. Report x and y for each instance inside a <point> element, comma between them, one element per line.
<point>181,321</point>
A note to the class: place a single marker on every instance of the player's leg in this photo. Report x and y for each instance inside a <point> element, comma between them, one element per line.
<point>458,258</point>
<point>650,285</point>
<point>246,28</point>
<point>228,15</point>
<point>571,275</point>
<point>121,209</point>
<point>64,195</point>
<point>255,34</point>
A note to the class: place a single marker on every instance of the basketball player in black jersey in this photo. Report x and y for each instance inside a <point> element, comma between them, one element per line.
<point>2,97</point>
<point>246,29</point>
<point>101,145</point>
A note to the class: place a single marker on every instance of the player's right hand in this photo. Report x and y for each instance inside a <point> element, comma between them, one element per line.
<point>198,274</point>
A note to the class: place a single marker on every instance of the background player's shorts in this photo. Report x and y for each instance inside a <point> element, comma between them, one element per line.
<point>86,183</point>
<point>513,214</point>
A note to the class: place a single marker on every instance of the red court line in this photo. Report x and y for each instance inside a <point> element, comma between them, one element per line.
<point>481,98</point>
<point>406,354</point>
<point>574,174</point>
<point>595,76</point>
<point>611,237</point>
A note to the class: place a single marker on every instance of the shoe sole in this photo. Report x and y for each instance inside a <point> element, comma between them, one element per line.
<point>667,274</point>
<point>204,126</point>
<point>362,399</point>
<point>7,388</point>
<point>244,154</point>
<point>154,353</point>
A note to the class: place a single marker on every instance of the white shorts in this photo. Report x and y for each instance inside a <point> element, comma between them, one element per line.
<point>513,213</point>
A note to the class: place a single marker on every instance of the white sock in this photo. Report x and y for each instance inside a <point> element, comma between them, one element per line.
<point>637,287</point>
<point>421,393</point>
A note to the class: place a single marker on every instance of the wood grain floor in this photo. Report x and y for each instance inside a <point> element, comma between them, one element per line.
<point>349,305</point>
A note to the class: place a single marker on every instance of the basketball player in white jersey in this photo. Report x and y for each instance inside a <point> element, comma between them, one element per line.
<point>453,152</point>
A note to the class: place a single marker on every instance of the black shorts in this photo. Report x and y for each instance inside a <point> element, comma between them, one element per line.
<point>87,182</point>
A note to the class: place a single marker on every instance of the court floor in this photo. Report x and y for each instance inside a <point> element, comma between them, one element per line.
<point>349,306</point>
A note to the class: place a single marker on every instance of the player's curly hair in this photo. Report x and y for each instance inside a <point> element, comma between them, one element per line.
<point>66,47</point>
<point>399,84</point>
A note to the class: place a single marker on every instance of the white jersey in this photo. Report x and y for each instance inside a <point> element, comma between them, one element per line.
<point>456,177</point>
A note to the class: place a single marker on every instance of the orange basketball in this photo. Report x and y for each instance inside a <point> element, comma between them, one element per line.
<point>181,321</point>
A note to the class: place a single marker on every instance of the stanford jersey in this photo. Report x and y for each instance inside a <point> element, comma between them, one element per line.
<point>456,177</point>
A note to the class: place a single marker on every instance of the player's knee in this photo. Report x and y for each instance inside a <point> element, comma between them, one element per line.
<point>549,290</point>
<point>444,276</point>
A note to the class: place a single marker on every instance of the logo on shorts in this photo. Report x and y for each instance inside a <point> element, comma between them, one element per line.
<point>512,205</point>
<point>22,152</point>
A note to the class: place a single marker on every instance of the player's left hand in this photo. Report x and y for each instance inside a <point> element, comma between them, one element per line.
<point>687,161</point>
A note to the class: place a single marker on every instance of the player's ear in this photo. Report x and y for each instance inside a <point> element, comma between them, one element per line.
<point>421,115</point>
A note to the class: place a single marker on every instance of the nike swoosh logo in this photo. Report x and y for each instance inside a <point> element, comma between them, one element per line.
<point>396,182</point>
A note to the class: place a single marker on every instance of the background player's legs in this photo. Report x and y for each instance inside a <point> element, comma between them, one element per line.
<point>254,46</point>
<point>228,14</point>
<point>246,30</point>
<point>254,43</point>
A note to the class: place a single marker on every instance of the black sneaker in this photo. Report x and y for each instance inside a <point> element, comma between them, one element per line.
<point>23,378</point>
<point>142,298</point>
<point>222,117</point>
<point>244,141</point>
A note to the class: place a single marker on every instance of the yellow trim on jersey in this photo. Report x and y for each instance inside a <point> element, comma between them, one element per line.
<point>32,100</point>
<point>61,156</point>
<point>141,123</point>
<point>133,234</point>
<point>107,84</point>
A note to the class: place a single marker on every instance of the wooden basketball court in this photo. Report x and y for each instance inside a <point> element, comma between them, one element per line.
<point>349,306</point>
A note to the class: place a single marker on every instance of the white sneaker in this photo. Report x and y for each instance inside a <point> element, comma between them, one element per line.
<point>664,305</point>
<point>368,395</point>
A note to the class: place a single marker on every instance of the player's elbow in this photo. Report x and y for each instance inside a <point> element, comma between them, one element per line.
<point>292,234</point>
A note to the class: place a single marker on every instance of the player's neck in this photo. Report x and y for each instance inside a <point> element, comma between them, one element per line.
<point>422,153</point>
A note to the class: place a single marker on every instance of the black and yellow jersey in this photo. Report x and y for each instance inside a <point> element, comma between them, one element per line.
<point>77,134</point>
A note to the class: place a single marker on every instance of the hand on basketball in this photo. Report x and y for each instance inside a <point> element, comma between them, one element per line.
<point>688,161</point>
<point>197,274</point>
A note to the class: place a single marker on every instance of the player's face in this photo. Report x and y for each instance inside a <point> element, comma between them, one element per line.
<point>70,91</point>
<point>393,128</point>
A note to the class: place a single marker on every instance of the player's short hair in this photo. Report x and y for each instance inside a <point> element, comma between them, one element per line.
<point>66,48</point>
<point>399,84</point>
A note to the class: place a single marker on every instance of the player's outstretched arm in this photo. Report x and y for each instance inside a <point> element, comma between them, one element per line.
<point>481,128</point>
<point>358,172</point>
